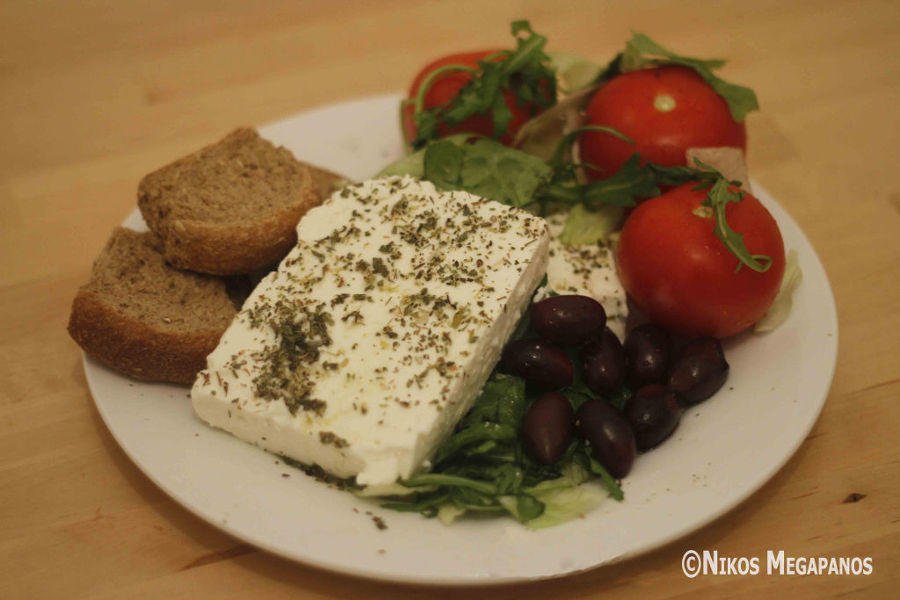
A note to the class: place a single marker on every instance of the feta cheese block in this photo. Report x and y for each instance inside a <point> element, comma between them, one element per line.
<point>377,331</point>
<point>589,270</point>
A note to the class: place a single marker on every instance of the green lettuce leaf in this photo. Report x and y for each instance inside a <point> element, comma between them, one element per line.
<point>585,226</point>
<point>565,504</point>
<point>486,168</point>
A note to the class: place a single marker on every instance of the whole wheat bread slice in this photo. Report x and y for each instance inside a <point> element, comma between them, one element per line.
<point>230,208</point>
<point>146,319</point>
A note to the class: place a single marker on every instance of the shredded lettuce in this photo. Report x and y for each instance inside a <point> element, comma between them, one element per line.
<point>566,504</point>
<point>448,512</point>
<point>542,135</point>
<point>781,307</point>
<point>574,72</point>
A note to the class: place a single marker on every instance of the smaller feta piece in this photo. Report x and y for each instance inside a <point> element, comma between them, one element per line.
<point>589,270</point>
<point>377,331</point>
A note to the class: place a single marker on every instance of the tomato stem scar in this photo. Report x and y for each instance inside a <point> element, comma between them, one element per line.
<point>664,103</point>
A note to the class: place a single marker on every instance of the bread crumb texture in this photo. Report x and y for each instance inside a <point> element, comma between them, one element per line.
<point>140,316</point>
<point>232,207</point>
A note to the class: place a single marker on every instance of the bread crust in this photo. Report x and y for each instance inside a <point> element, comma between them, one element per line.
<point>135,348</point>
<point>234,248</point>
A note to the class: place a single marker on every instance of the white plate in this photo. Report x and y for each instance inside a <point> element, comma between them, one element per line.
<point>723,451</point>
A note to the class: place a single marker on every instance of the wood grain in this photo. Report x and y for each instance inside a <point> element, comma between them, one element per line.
<point>94,95</point>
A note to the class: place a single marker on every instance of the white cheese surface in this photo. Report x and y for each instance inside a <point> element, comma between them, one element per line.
<point>589,270</point>
<point>377,331</point>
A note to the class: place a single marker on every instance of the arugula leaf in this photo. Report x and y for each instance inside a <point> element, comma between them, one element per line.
<point>508,478</point>
<point>559,159</point>
<point>486,168</point>
<point>522,507</point>
<point>630,183</point>
<point>620,397</point>
<point>427,504</point>
<point>578,393</point>
<point>672,176</point>
<point>473,434</point>
<point>609,482</point>
<point>452,480</point>
<point>718,198</point>
<point>502,400</point>
<point>525,71</point>
<point>641,52</point>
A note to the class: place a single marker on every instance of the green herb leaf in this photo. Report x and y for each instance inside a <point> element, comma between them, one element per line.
<point>630,183</point>
<point>502,400</point>
<point>522,507</point>
<point>442,479</point>
<point>486,168</point>
<point>620,397</point>
<point>504,174</point>
<point>673,176</point>
<point>559,157</point>
<point>585,226</point>
<point>718,198</point>
<point>442,164</point>
<point>577,393</point>
<point>609,482</point>
<point>642,52</point>
<point>414,164</point>
<point>474,434</point>
<point>411,164</point>
<point>525,71</point>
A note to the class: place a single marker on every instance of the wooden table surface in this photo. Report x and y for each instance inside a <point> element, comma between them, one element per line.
<point>94,95</point>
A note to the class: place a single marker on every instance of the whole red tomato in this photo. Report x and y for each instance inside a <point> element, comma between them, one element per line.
<point>447,86</point>
<point>684,278</point>
<point>665,110</point>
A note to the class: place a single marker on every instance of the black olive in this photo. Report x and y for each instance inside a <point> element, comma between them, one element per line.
<point>648,351</point>
<point>653,414</point>
<point>604,363</point>
<point>699,371</point>
<point>538,362</point>
<point>547,427</point>
<point>568,320</point>
<point>611,439</point>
